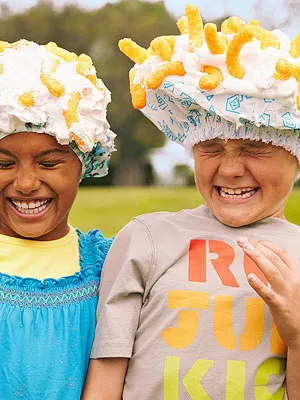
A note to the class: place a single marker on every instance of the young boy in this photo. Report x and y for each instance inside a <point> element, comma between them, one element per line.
<point>53,133</point>
<point>177,318</point>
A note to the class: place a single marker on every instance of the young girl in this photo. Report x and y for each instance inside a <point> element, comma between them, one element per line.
<point>53,132</point>
<point>177,318</point>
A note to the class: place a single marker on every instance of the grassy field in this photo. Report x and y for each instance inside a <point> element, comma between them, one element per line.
<point>111,208</point>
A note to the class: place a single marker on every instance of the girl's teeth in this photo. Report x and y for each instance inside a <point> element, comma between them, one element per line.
<point>31,208</point>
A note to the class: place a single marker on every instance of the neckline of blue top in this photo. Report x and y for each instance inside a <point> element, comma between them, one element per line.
<point>93,247</point>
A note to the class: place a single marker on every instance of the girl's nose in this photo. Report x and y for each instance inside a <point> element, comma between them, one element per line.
<point>26,182</point>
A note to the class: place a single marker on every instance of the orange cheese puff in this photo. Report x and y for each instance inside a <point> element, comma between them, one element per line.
<point>254,22</point>
<point>235,24</point>
<point>55,88</point>
<point>99,85</point>
<point>267,38</point>
<point>54,65</point>
<point>225,29</point>
<point>283,70</point>
<point>80,143</point>
<point>92,78</point>
<point>3,45</point>
<point>83,68</point>
<point>216,44</point>
<point>62,53</point>
<point>234,66</point>
<point>138,93</point>
<point>171,39</point>
<point>85,58</point>
<point>195,26</point>
<point>133,51</point>
<point>26,99</point>
<point>71,114</point>
<point>161,47</point>
<point>213,78</point>
<point>183,25</point>
<point>164,70</point>
<point>295,46</point>
<point>232,25</point>
<point>150,52</point>
<point>296,75</point>
<point>296,72</point>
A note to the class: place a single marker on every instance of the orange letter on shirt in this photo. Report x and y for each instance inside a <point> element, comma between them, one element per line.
<point>187,329</point>
<point>254,329</point>
<point>198,261</point>
<point>223,262</point>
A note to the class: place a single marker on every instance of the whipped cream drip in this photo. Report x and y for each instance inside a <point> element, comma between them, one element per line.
<point>22,65</point>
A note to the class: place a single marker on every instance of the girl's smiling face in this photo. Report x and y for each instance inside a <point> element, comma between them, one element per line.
<point>243,181</point>
<point>39,180</point>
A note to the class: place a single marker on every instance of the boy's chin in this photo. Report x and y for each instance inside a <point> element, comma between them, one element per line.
<point>235,219</point>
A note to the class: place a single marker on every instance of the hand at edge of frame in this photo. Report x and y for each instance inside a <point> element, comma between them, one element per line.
<point>282,294</point>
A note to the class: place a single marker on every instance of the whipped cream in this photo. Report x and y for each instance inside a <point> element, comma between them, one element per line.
<point>258,97</point>
<point>22,65</point>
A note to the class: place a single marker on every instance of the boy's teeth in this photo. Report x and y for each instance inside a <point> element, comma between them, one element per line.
<point>243,193</point>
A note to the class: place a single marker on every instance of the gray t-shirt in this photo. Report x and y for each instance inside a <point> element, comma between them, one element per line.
<point>174,298</point>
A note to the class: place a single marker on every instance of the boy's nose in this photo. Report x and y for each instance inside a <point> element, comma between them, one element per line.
<point>26,182</point>
<point>231,166</point>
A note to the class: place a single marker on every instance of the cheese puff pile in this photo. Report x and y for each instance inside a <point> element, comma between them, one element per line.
<point>47,89</point>
<point>240,82</point>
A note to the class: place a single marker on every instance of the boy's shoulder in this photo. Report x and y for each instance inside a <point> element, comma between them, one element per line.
<point>182,223</point>
<point>172,217</point>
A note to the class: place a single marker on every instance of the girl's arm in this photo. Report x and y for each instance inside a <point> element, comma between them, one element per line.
<point>105,379</point>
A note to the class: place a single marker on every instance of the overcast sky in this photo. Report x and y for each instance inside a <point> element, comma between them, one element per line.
<point>273,10</point>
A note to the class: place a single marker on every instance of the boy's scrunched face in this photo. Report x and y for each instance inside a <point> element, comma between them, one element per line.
<point>39,180</point>
<point>243,181</point>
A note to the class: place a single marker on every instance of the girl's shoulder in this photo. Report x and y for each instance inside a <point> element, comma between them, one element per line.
<point>93,246</point>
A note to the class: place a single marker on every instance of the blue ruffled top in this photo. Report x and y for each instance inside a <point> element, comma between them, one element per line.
<point>47,328</point>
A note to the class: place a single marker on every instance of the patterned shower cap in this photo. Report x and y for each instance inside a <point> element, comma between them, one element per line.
<point>240,83</point>
<point>47,89</point>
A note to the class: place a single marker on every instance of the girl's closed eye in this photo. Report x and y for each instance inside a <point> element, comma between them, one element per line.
<point>5,164</point>
<point>50,163</point>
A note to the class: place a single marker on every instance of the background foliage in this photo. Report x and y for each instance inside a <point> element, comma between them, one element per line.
<point>109,209</point>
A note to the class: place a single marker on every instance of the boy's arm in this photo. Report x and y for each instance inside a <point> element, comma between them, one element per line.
<point>122,290</point>
<point>105,379</point>
<point>293,373</point>
<point>282,296</point>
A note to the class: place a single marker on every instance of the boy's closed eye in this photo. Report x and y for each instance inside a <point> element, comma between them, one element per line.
<point>258,148</point>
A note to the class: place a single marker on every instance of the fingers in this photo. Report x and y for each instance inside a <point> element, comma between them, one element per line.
<point>267,261</point>
<point>280,252</point>
<point>265,292</point>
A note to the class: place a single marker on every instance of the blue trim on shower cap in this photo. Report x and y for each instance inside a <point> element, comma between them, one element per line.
<point>95,163</point>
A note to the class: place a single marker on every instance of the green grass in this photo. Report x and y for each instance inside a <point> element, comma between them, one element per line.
<point>111,208</point>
